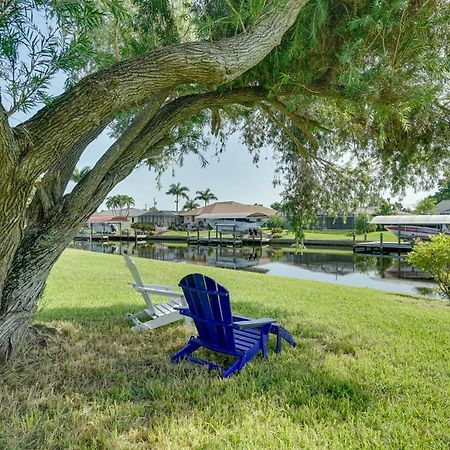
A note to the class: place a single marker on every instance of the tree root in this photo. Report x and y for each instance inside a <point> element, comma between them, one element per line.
<point>39,334</point>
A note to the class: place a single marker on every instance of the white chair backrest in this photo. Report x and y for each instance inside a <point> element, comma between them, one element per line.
<point>134,270</point>
<point>139,282</point>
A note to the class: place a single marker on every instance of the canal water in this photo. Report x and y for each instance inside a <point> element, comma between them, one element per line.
<point>339,267</point>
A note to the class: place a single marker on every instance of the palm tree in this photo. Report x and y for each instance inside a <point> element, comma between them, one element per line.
<point>206,196</point>
<point>79,174</point>
<point>121,199</point>
<point>178,191</point>
<point>112,203</point>
<point>128,203</point>
<point>190,204</point>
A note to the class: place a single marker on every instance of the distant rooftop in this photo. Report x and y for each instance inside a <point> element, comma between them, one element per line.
<point>132,212</point>
<point>443,207</point>
<point>160,213</point>
<point>230,209</point>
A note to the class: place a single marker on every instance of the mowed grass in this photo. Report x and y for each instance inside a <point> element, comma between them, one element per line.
<point>332,235</point>
<point>371,369</point>
<point>343,235</point>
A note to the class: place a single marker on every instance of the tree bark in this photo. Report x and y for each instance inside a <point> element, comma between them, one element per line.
<point>36,255</point>
<point>45,240</point>
<point>132,82</point>
<point>36,220</point>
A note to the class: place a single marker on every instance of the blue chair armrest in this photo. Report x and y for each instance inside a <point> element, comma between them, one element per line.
<point>184,311</point>
<point>254,323</point>
<point>239,318</point>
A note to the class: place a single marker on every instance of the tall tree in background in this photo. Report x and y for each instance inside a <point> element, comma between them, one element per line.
<point>178,191</point>
<point>350,96</point>
<point>426,206</point>
<point>118,203</point>
<point>443,192</point>
<point>190,204</point>
<point>112,203</point>
<point>128,203</point>
<point>205,196</point>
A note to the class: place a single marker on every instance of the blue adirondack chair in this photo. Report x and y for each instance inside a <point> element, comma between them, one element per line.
<point>218,330</point>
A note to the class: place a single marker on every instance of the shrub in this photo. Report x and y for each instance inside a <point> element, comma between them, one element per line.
<point>276,222</point>
<point>362,224</point>
<point>434,258</point>
<point>143,226</point>
<point>277,230</point>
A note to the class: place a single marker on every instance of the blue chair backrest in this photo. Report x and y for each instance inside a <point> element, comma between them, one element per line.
<point>209,302</point>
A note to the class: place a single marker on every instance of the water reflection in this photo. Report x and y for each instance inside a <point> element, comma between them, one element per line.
<point>376,272</point>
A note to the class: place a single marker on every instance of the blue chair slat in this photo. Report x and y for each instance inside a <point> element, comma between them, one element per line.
<point>219,298</point>
<point>210,303</point>
<point>199,308</point>
<point>276,329</point>
<point>211,308</point>
<point>218,330</point>
<point>194,302</point>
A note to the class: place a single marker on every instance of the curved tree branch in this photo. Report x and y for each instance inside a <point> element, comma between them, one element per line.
<point>128,83</point>
<point>9,151</point>
<point>126,152</point>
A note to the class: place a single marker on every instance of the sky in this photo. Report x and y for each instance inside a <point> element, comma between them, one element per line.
<point>231,176</point>
<point>234,176</point>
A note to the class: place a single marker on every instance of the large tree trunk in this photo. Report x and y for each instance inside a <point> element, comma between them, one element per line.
<point>54,219</point>
<point>39,249</point>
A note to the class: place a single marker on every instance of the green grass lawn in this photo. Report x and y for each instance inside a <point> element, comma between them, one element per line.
<point>341,235</point>
<point>371,370</point>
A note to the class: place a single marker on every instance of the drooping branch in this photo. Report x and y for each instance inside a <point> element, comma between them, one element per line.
<point>128,83</point>
<point>299,121</point>
<point>300,147</point>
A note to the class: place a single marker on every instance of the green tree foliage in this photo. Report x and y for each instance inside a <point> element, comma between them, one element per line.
<point>363,225</point>
<point>434,259</point>
<point>149,228</point>
<point>277,206</point>
<point>350,75</point>
<point>276,222</point>
<point>205,196</point>
<point>33,51</point>
<point>444,191</point>
<point>177,190</point>
<point>385,207</point>
<point>120,204</point>
<point>426,206</point>
<point>190,204</point>
<point>277,232</point>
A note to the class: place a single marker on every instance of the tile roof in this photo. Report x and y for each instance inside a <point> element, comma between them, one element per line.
<point>443,207</point>
<point>230,208</point>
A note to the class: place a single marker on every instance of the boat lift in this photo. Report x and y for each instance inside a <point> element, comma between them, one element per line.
<point>408,229</point>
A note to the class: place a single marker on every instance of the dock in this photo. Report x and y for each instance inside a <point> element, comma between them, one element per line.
<point>381,248</point>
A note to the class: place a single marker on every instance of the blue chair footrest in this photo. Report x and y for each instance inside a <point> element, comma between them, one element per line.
<point>205,363</point>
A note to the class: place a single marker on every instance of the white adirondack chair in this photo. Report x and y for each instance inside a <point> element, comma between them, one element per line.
<point>159,314</point>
